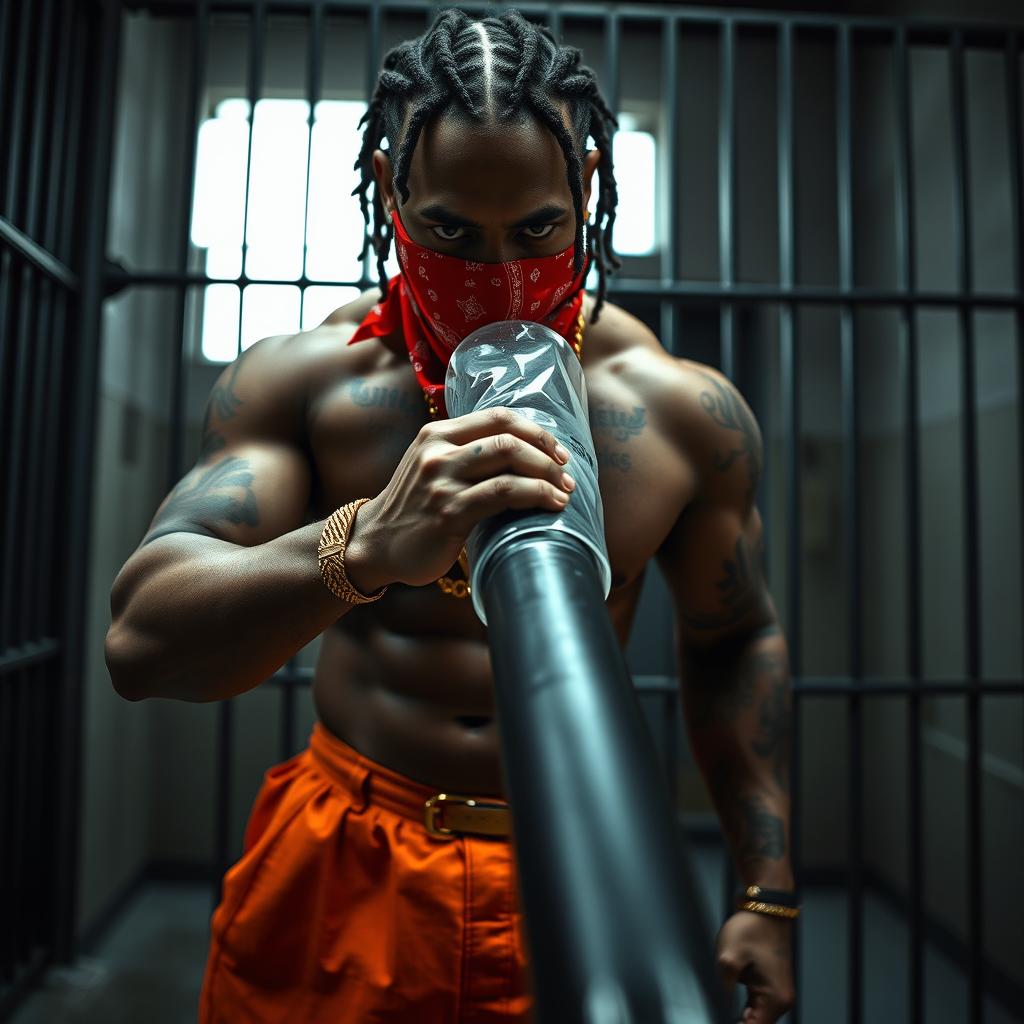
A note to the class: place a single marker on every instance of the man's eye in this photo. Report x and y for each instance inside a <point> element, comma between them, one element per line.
<point>447,227</point>
<point>546,228</point>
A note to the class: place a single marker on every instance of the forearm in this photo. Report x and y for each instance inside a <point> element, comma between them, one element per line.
<point>200,619</point>
<point>738,711</point>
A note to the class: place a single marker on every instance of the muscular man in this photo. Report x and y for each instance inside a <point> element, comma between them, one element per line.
<point>344,906</point>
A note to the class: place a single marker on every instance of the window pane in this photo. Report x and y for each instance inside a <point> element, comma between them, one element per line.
<point>319,301</point>
<point>336,225</point>
<point>269,309</point>
<point>634,156</point>
<point>220,322</point>
<point>277,189</point>
<point>217,207</point>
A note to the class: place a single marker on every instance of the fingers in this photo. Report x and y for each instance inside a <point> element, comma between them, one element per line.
<point>498,493</point>
<point>489,456</point>
<point>487,422</point>
<point>728,971</point>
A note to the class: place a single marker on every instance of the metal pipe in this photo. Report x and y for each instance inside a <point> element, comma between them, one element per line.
<point>612,914</point>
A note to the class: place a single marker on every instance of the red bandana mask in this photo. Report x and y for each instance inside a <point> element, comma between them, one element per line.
<point>437,300</point>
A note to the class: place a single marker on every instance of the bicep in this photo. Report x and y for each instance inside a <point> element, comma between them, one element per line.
<point>248,494</point>
<point>252,479</point>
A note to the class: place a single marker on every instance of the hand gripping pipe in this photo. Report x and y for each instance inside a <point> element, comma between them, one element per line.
<point>613,917</point>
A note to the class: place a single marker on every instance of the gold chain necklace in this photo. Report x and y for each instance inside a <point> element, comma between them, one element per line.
<point>461,588</point>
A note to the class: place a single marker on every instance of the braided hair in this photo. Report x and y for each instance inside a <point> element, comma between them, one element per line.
<point>444,72</point>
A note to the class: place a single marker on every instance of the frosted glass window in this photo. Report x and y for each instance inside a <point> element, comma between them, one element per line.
<point>269,309</point>
<point>277,216</point>
<point>319,301</point>
<point>220,322</point>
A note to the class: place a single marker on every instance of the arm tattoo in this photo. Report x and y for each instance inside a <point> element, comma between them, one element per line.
<point>224,402</point>
<point>755,831</point>
<point>772,738</point>
<point>763,834</point>
<point>204,496</point>
<point>726,407</point>
<point>739,590</point>
<point>738,708</point>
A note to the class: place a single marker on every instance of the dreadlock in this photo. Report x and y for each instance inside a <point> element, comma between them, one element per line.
<point>444,71</point>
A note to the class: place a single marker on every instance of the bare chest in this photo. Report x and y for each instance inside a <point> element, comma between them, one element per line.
<point>360,427</point>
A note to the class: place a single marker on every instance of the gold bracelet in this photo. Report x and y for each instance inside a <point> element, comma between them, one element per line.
<point>771,909</point>
<point>331,555</point>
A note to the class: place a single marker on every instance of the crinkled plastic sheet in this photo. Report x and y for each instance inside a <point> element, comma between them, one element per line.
<point>530,368</point>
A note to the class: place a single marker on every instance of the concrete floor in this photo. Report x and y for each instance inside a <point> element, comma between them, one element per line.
<point>149,968</point>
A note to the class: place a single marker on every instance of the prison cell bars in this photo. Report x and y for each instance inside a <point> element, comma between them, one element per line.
<point>50,296</point>
<point>903,168</point>
<point>727,294</point>
<point>846,296</point>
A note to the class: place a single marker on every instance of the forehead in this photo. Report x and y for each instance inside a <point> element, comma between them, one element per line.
<point>487,164</point>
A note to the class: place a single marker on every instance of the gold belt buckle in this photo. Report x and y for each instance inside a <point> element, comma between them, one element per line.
<point>434,807</point>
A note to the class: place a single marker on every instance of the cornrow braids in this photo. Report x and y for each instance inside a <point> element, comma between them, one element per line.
<point>444,72</point>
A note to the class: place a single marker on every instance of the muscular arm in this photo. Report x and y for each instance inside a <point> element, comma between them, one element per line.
<point>224,587</point>
<point>733,659</point>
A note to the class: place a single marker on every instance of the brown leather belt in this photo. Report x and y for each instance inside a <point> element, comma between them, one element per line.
<point>448,815</point>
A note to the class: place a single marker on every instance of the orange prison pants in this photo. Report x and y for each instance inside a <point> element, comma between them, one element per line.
<point>344,910</point>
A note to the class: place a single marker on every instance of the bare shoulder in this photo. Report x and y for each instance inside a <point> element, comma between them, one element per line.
<point>692,403</point>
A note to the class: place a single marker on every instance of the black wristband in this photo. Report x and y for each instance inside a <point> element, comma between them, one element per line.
<point>783,897</point>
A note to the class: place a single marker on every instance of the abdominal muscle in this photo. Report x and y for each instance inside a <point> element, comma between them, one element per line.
<point>420,699</point>
<point>420,705</point>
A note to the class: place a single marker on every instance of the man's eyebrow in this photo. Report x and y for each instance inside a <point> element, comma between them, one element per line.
<point>436,211</point>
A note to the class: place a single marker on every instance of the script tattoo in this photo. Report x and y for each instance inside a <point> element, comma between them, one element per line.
<point>726,407</point>
<point>622,425</point>
<point>383,398</point>
<point>611,458</point>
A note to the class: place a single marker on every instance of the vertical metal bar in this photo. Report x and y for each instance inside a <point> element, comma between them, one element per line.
<point>612,87</point>
<point>7,711</point>
<point>373,46</point>
<point>225,744</point>
<point>314,81</point>
<point>11,618</point>
<point>912,532</point>
<point>668,165</point>
<point>52,336</point>
<point>970,514</point>
<point>104,35</point>
<point>22,59</point>
<point>222,819</point>
<point>851,467</point>
<point>727,191</point>
<point>22,784</point>
<point>1013,110</point>
<point>314,75</point>
<point>791,425</point>
<point>727,262</point>
<point>257,39</point>
<point>40,415</point>
<point>189,143</point>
